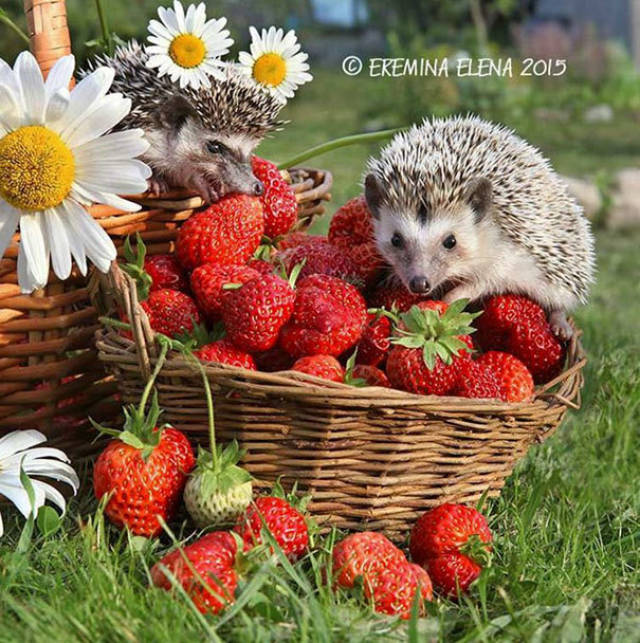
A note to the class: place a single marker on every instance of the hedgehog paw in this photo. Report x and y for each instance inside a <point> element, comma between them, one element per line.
<point>560,327</point>
<point>157,186</point>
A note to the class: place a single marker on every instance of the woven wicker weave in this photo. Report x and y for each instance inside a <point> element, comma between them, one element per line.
<point>371,457</point>
<point>50,378</point>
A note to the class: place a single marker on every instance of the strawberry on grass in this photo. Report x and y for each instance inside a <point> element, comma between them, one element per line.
<point>143,470</point>
<point>205,569</point>
<point>452,542</point>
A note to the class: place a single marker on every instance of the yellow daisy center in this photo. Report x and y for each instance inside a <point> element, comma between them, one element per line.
<point>187,50</point>
<point>36,168</point>
<point>270,69</point>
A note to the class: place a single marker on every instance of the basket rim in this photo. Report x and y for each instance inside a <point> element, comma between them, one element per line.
<point>116,349</point>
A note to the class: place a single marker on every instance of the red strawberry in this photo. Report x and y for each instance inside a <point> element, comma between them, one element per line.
<point>171,312</point>
<point>517,325</point>
<point>165,272</point>
<point>324,366</point>
<point>370,375</point>
<point>261,265</point>
<point>329,318</point>
<point>143,471</point>
<point>429,343</point>
<point>212,557</point>
<point>254,313</point>
<point>321,259</point>
<point>286,524</point>
<point>476,380</point>
<point>514,380</point>
<point>395,588</point>
<point>223,351</point>
<point>393,297</point>
<point>273,360</point>
<point>450,542</point>
<point>294,239</point>
<point>227,232</point>
<point>351,229</point>
<point>364,554</point>
<point>279,204</point>
<point>375,343</point>
<point>207,283</point>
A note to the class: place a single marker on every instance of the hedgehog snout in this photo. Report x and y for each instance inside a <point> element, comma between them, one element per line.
<point>419,285</point>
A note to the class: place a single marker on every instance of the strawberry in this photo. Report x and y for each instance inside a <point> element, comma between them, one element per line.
<point>370,375</point>
<point>254,313</point>
<point>143,470</point>
<point>451,542</point>
<point>517,325</point>
<point>286,524</point>
<point>324,366</point>
<point>227,232</point>
<point>294,239</point>
<point>375,343</point>
<point>477,380</point>
<point>430,341</point>
<point>273,360</point>
<point>279,204</point>
<point>207,283</point>
<point>364,554</point>
<point>260,265</point>
<point>209,576</point>
<point>321,259</point>
<point>328,318</point>
<point>171,312</point>
<point>165,272</point>
<point>393,297</point>
<point>514,380</point>
<point>351,229</point>
<point>223,351</point>
<point>218,490</point>
<point>395,588</point>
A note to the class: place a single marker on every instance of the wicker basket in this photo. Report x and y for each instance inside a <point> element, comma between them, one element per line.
<point>50,378</point>
<point>372,457</point>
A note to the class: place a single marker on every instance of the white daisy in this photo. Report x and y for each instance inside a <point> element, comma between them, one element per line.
<point>16,450</point>
<point>275,61</point>
<point>187,46</point>
<point>54,159</point>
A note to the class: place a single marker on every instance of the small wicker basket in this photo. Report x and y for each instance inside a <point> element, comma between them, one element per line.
<point>372,458</point>
<point>50,377</point>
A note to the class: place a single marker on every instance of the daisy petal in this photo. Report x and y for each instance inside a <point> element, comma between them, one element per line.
<point>35,250</point>
<point>108,113</point>
<point>59,243</point>
<point>9,219</point>
<point>33,94</point>
<point>60,75</point>
<point>18,441</point>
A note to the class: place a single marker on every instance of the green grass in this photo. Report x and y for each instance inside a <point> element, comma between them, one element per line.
<point>567,526</point>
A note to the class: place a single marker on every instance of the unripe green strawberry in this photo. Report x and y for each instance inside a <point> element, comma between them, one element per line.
<point>217,500</point>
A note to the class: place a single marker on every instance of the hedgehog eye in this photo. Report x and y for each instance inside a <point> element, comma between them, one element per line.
<point>215,147</point>
<point>449,242</point>
<point>397,241</point>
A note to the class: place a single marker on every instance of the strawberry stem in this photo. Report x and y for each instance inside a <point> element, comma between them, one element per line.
<point>147,389</point>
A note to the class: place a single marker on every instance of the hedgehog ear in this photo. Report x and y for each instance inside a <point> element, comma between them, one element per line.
<point>373,195</point>
<point>479,195</point>
<point>174,112</point>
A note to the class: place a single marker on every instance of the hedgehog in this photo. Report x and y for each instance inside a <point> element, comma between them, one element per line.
<point>201,140</point>
<point>464,208</point>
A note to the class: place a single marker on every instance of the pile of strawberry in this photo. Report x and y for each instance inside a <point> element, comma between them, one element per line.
<point>283,300</point>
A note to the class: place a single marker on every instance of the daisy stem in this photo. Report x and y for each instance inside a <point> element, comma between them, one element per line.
<point>13,26</point>
<point>336,143</point>
<point>104,25</point>
<point>152,379</point>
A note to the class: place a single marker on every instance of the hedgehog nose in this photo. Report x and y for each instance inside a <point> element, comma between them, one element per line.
<point>419,285</point>
<point>258,188</point>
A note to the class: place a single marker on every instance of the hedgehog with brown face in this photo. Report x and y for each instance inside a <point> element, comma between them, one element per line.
<point>200,139</point>
<point>466,209</point>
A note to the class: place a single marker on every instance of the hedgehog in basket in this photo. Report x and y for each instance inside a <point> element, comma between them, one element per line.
<point>326,307</point>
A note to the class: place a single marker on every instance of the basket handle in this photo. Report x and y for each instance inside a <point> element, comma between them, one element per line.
<point>48,31</point>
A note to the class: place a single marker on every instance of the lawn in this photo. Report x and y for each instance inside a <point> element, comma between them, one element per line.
<point>567,526</point>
